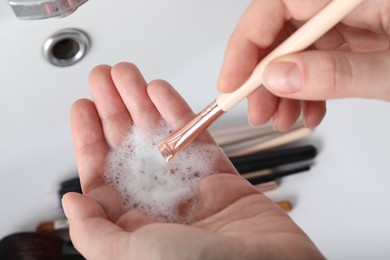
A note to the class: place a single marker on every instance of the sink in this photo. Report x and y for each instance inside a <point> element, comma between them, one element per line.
<point>182,42</point>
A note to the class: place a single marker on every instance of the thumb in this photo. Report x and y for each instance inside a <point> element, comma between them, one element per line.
<point>92,234</point>
<point>321,75</point>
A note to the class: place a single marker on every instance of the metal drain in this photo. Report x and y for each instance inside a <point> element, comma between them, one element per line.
<point>66,47</point>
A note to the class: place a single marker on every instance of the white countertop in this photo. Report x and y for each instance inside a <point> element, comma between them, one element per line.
<point>341,203</point>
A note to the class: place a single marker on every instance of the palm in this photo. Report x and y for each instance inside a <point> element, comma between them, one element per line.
<point>235,219</point>
<point>251,227</point>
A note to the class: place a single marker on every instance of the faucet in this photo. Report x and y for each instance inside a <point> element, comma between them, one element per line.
<point>41,9</point>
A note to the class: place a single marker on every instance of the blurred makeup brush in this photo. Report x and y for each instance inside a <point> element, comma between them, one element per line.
<point>267,186</point>
<point>71,185</point>
<point>243,164</point>
<point>301,39</point>
<point>269,142</point>
<point>285,205</point>
<point>264,160</point>
<point>233,135</point>
<point>274,175</point>
<point>37,246</point>
<point>51,226</point>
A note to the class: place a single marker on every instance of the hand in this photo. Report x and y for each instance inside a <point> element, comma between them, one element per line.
<point>352,60</point>
<point>235,221</point>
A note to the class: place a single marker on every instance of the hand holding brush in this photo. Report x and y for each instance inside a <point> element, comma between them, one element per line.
<point>100,229</point>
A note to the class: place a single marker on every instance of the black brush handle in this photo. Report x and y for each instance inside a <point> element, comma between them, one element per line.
<point>74,182</point>
<point>72,185</point>
<point>276,175</point>
<point>264,160</point>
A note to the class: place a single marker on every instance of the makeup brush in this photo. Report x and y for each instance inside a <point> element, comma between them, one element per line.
<point>233,135</point>
<point>267,186</point>
<point>285,205</point>
<point>256,180</point>
<point>37,246</point>
<point>259,161</point>
<point>51,226</point>
<point>305,36</point>
<point>244,164</point>
<point>73,185</point>
<point>267,143</point>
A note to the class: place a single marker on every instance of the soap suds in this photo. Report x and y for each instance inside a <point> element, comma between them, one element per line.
<point>166,192</point>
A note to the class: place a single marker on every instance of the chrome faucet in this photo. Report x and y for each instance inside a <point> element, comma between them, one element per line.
<point>41,9</point>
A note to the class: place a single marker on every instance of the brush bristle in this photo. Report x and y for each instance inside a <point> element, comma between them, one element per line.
<point>285,205</point>
<point>46,227</point>
<point>31,246</point>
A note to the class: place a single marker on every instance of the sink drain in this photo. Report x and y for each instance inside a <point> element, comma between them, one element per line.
<point>66,47</point>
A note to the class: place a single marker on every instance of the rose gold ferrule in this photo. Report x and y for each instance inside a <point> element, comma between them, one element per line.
<point>180,139</point>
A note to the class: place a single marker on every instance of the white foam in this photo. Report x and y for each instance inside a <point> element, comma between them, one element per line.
<point>166,192</point>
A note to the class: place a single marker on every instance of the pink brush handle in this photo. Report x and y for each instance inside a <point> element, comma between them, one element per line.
<point>305,36</point>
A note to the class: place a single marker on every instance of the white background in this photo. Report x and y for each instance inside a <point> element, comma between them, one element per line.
<point>342,203</point>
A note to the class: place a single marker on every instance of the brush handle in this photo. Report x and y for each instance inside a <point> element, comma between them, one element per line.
<point>260,161</point>
<point>305,36</point>
<point>224,137</point>
<point>277,175</point>
<point>278,140</point>
<point>234,135</point>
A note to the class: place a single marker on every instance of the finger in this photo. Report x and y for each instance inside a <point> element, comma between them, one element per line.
<point>313,112</point>
<point>92,234</point>
<point>172,107</point>
<point>132,88</point>
<point>176,112</point>
<point>320,75</point>
<point>89,142</point>
<point>133,220</point>
<point>111,109</point>
<point>332,40</point>
<point>304,9</point>
<point>262,105</point>
<point>364,40</point>
<point>286,114</point>
<point>91,150</point>
<point>261,28</point>
<point>246,46</point>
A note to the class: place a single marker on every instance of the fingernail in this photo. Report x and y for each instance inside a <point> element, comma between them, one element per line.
<point>283,77</point>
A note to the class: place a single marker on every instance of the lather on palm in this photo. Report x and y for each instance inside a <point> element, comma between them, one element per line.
<point>235,220</point>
